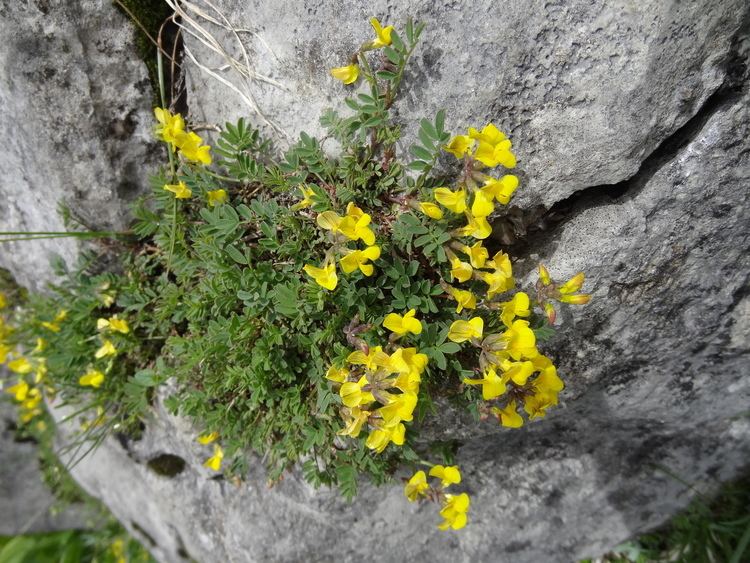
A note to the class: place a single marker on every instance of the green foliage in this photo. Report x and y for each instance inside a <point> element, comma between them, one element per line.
<point>218,303</point>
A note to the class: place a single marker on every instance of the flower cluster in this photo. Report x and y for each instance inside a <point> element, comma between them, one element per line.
<point>477,191</point>
<point>353,226</point>
<point>214,462</point>
<point>108,329</point>
<point>171,130</point>
<point>454,508</point>
<point>379,389</point>
<point>350,73</point>
<point>31,369</point>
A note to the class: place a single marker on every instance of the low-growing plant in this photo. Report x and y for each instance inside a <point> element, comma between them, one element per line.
<point>308,307</point>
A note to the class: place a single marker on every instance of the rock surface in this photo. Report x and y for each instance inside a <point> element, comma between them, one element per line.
<point>75,119</point>
<point>631,122</point>
<point>585,89</point>
<point>25,500</point>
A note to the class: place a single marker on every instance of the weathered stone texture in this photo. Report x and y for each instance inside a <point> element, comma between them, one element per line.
<point>25,501</point>
<point>586,89</point>
<point>631,122</point>
<point>75,121</point>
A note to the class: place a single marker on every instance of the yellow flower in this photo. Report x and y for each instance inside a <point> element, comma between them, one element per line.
<point>508,416</point>
<point>347,74</point>
<point>54,325</point>
<point>461,271</point>
<point>407,360</point>
<point>518,342</point>
<point>536,405</point>
<point>517,372</point>
<point>570,287</point>
<point>459,145</point>
<point>352,395</point>
<point>337,374</point>
<point>516,307</point>
<point>113,324</point>
<point>191,148</point>
<point>400,407</point>
<point>501,189</point>
<point>383,34</point>
<point>477,254</point>
<point>431,210</point>
<point>207,438</point>
<point>455,201</point>
<point>547,381</point>
<point>544,275</point>
<point>489,134</point>
<point>355,225</point>
<point>3,301</point>
<point>41,370</point>
<point>170,126</point>
<point>454,511</point>
<point>476,227</point>
<point>359,258</point>
<point>325,277</point>
<point>448,475</point>
<point>329,221</point>
<point>306,201</point>
<point>401,325</point>
<point>19,391</point>
<point>180,190</point>
<point>482,205</point>
<point>379,438</point>
<point>107,349</point>
<point>374,359</point>
<point>464,299</point>
<point>214,462</point>
<point>21,366</point>
<point>416,486</point>
<point>494,147</point>
<point>355,419</point>
<point>92,378</point>
<point>461,331</point>
<point>32,401</point>
<point>41,345</point>
<point>501,279</point>
<point>492,384</point>
<point>216,197</point>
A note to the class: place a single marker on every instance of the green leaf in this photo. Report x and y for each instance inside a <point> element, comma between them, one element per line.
<point>440,122</point>
<point>429,129</point>
<point>418,165</point>
<point>346,476</point>
<point>385,75</point>
<point>421,153</point>
<point>392,55</point>
<point>236,255</point>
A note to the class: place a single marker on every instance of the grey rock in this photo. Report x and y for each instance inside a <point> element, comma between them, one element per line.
<point>629,95</point>
<point>75,119</point>
<point>657,393</point>
<point>26,504</point>
<point>585,89</point>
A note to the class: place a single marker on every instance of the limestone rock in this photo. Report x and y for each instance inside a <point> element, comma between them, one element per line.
<point>656,388</point>
<point>25,501</point>
<point>631,123</point>
<point>75,119</point>
<point>585,89</point>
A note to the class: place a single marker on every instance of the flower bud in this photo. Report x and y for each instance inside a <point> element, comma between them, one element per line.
<point>549,310</point>
<point>580,299</point>
<point>544,275</point>
<point>573,284</point>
